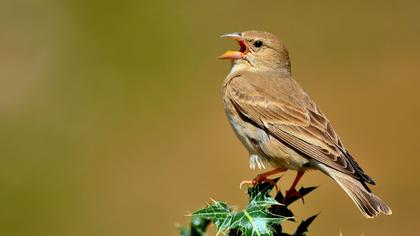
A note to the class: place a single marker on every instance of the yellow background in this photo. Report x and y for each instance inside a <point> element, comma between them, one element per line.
<point>112,123</point>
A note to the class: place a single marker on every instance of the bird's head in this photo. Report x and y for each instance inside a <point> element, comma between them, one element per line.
<point>261,50</point>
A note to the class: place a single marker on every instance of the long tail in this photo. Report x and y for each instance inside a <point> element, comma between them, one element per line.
<point>369,204</point>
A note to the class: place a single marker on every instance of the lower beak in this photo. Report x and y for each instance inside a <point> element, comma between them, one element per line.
<point>231,55</point>
<point>235,54</point>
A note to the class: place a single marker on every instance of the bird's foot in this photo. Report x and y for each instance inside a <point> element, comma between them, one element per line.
<point>292,194</point>
<point>261,178</point>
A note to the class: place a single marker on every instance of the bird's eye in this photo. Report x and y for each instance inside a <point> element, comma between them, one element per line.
<point>258,43</point>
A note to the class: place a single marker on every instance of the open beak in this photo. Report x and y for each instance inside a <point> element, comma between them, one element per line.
<point>235,54</point>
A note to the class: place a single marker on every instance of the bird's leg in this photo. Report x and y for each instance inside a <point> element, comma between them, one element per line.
<point>292,191</point>
<point>263,178</point>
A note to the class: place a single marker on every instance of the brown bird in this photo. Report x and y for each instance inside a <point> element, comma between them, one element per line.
<point>281,125</point>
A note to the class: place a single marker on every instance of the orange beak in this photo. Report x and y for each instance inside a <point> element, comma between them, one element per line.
<point>233,55</point>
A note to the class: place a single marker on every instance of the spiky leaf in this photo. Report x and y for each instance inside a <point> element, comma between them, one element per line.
<point>303,226</point>
<point>219,213</point>
<point>262,216</point>
<point>255,219</point>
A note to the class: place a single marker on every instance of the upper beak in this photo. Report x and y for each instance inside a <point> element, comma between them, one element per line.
<point>235,54</point>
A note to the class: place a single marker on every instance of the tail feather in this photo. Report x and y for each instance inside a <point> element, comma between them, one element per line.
<point>369,204</point>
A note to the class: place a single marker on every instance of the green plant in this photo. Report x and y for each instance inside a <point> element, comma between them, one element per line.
<point>263,215</point>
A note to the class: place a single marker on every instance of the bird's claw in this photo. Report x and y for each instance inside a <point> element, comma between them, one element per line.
<point>246,182</point>
<point>258,180</point>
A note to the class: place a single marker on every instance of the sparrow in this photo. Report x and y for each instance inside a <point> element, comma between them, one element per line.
<point>280,125</point>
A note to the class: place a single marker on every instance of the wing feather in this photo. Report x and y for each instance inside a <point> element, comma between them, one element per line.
<point>296,122</point>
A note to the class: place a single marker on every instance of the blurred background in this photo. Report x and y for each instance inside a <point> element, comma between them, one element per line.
<point>112,121</point>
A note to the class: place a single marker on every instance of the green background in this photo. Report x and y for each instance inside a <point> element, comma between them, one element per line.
<point>112,123</point>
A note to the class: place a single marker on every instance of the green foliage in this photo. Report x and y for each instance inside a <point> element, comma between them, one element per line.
<point>263,215</point>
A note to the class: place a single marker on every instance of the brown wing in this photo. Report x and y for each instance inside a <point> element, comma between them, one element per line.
<point>295,120</point>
